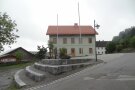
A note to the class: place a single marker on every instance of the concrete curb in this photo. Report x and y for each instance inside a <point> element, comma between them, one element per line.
<point>19,83</point>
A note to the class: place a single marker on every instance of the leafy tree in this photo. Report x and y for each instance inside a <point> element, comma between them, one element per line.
<point>63,54</point>
<point>7,31</point>
<point>119,47</point>
<point>125,39</point>
<point>125,42</point>
<point>42,52</point>
<point>116,39</point>
<point>19,56</point>
<point>110,48</point>
<point>132,42</point>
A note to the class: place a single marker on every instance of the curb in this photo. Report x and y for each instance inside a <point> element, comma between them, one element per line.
<point>19,83</point>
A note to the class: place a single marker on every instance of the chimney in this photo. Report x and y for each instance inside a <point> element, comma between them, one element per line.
<point>75,24</point>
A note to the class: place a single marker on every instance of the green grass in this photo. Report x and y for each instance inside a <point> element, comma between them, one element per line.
<point>12,87</point>
<point>15,66</point>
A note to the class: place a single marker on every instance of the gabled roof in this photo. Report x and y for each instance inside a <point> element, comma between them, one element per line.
<point>13,50</point>
<point>7,52</point>
<point>101,43</point>
<point>71,30</point>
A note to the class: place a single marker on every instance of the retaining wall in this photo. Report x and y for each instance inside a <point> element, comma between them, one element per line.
<point>63,61</point>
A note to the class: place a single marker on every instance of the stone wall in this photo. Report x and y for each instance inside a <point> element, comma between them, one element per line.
<point>57,66</point>
<point>63,61</point>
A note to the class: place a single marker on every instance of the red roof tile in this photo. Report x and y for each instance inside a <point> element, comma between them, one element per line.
<point>70,30</point>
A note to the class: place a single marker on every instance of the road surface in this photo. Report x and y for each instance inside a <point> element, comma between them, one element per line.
<point>117,73</point>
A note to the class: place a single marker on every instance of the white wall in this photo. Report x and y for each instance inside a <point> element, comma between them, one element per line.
<point>100,50</point>
<point>85,45</point>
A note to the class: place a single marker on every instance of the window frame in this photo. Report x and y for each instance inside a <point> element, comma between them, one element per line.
<point>64,40</point>
<point>89,40</point>
<point>72,40</point>
<point>55,40</point>
<point>90,50</point>
<point>80,50</point>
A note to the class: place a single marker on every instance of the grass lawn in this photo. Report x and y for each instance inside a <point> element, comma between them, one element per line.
<point>12,87</point>
<point>15,66</point>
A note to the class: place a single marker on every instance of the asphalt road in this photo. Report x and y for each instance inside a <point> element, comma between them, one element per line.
<point>117,73</point>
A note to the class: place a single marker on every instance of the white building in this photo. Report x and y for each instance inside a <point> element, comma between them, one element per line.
<point>69,38</point>
<point>101,47</point>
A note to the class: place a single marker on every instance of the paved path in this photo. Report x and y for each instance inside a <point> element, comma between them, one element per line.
<point>117,73</point>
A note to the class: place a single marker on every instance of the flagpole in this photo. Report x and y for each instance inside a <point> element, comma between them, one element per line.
<point>80,41</point>
<point>57,39</point>
<point>57,29</point>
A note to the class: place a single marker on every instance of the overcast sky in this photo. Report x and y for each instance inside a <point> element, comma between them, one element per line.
<point>34,16</point>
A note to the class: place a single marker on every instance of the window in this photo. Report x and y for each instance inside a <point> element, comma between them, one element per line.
<point>72,40</point>
<point>64,40</point>
<point>90,51</point>
<point>54,40</point>
<point>81,50</point>
<point>89,40</point>
<point>73,52</point>
<point>80,40</point>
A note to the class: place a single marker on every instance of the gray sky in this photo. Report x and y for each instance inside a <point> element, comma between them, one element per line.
<point>34,16</point>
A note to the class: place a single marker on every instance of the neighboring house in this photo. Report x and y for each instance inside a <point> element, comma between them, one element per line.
<point>69,38</point>
<point>10,56</point>
<point>101,47</point>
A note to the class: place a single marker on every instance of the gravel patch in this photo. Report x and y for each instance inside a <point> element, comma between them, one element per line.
<point>6,78</point>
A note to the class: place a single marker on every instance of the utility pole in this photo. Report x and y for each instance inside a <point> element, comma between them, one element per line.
<point>95,26</point>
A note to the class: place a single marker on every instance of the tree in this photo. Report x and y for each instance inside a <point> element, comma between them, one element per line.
<point>51,47</point>
<point>42,52</point>
<point>63,54</point>
<point>132,42</point>
<point>125,39</point>
<point>110,48</point>
<point>19,56</point>
<point>119,47</point>
<point>125,42</point>
<point>7,31</point>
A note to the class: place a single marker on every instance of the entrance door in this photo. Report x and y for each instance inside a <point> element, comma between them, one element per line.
<point>73,52</point>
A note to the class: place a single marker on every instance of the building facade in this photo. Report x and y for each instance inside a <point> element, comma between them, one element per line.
<point>69,37</point>
<point>101,47</point>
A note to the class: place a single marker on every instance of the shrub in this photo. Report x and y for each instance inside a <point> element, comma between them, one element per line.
<point>19,56</point>
<point>63,54</point>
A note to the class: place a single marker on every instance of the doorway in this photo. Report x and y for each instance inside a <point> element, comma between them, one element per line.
<point>73,52</point>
